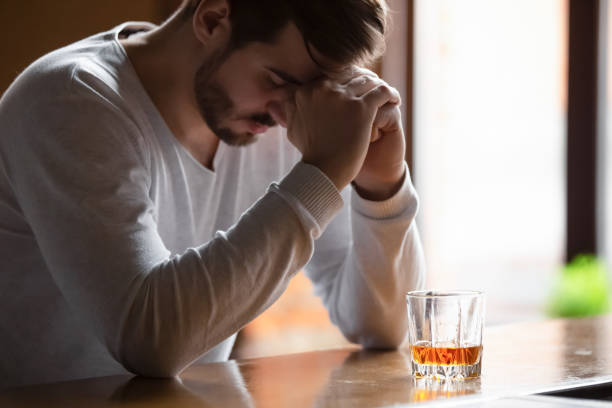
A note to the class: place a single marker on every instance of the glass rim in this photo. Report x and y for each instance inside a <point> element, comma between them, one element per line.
<point>437,294</point>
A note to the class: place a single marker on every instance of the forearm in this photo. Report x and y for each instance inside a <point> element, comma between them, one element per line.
<point>370,291</point>
<point>188,304</point>
<point>384,261</point>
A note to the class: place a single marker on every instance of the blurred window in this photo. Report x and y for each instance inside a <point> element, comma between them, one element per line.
<point>490,126</point>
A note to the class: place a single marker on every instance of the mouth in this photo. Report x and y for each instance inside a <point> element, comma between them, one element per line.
<point>256,127</point>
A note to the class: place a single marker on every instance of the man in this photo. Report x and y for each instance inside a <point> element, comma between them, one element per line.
<point>149,210</point>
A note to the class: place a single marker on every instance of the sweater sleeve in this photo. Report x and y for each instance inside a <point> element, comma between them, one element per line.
<point>365,262</point>
<point>81,179</point>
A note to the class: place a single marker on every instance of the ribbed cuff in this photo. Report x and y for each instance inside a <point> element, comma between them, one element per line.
<point>314,191</point>
<point>405,199</point>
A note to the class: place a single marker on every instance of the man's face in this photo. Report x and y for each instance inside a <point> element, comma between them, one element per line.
<point>236,89</point>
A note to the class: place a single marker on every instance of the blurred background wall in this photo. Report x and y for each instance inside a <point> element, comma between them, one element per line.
<point>32,28</point>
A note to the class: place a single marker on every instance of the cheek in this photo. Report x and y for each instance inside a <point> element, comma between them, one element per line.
<point>247,95</point>
<point>246,91</point>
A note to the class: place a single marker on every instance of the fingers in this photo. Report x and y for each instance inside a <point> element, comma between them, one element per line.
<point>381,95</point>
<point>388,119</point>
<point>363,71</point>
<point>358,82</point>
<point>350,73</point>
<point>362,84</point>
<point>361,81</point>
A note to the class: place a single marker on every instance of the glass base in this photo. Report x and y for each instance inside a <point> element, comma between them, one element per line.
<point>446,372</point>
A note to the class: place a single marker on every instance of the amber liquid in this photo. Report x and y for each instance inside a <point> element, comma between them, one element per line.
<point>445,355</point>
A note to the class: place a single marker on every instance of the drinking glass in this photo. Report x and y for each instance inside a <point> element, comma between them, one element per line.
<point>445,333</point>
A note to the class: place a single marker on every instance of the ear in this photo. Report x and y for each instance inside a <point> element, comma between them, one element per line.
<point>211,21</point>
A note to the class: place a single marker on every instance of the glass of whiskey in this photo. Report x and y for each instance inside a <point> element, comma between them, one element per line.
<point>445,333</point>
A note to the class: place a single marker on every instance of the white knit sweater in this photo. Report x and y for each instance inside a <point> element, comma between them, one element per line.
<point>120,251</point>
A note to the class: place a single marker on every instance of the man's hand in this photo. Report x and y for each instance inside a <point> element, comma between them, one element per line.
<point>383,170</point>
<point>332,123</point>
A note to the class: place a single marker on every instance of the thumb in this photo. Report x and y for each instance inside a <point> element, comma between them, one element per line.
<point>375,134</point>
<point>278,113</point>
<point>387,119</point>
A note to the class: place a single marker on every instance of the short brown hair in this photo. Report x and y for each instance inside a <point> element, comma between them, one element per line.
<point>343,31</point>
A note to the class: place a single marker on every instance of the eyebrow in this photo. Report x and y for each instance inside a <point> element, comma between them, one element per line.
<point>285,76</point>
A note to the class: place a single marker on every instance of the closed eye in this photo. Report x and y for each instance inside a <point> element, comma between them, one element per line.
<point>276,80</point>
<point>283,76</point>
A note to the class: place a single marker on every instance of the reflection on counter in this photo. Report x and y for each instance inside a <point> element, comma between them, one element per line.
<point>428,389</point>
<point>220,385</point>
<point>225,388</point>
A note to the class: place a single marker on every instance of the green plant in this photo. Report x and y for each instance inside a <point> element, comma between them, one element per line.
<point>582,289</point>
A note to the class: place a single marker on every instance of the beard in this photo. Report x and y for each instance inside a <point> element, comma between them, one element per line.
<point>216,106</point>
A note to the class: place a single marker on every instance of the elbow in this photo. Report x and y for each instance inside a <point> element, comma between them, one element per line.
<point>386,332</point>
<point>152,351</point>
<point>147,360</point>
<point>381,334</point>
<point>153,369</point>
<point>149,342</point>
<point>386,341</point>
<point>377,338</point>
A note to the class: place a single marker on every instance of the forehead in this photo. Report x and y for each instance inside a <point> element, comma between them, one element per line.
<point>290,54</point>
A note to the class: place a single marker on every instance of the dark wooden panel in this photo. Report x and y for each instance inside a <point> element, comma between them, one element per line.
<point>169,6</point>
<point>34,27</point>
<point>582,128</point>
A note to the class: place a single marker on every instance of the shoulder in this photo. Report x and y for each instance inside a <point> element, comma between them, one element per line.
<point>71,97</point>
<point>54,72</point>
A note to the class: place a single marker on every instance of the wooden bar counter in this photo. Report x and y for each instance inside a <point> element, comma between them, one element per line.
<point>519,359</point>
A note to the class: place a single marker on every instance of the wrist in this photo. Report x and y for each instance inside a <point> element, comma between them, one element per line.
<point>337,175</point>
<point>379,190</point>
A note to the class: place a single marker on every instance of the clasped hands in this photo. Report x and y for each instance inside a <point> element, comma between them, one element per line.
<point>350,128</point>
